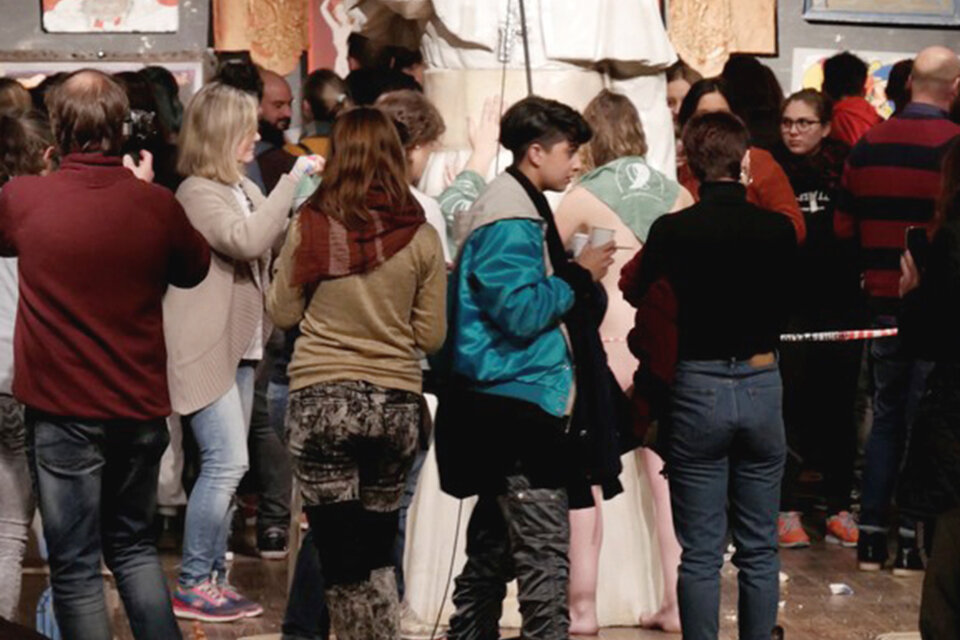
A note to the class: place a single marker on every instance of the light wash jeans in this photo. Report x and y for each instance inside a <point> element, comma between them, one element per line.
<point>16,503</point>
<point>725,452</point>
<point>220,430</point>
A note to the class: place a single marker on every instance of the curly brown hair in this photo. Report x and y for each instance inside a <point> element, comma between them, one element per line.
<point>417,120</point>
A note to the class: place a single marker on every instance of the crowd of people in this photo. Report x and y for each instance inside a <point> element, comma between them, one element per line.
<point>198,307</point>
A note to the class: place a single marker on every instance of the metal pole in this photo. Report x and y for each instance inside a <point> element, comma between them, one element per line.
<point>526,48</point>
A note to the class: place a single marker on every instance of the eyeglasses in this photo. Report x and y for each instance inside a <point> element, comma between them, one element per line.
<point>803,124</point>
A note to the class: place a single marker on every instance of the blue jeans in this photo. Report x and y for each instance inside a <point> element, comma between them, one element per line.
<point>898,384</point>
<point>725,451</point>
<point>220,430</point>
<point>96,483</point>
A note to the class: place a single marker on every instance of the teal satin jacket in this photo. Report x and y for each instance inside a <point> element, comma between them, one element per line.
<point>505,307</point>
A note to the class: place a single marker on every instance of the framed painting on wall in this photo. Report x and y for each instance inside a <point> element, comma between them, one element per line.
<point>808,73</point>
<point>117,16</point>
<point>907,12</point>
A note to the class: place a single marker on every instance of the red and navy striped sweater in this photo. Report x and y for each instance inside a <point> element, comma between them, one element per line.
<point>891,182</point>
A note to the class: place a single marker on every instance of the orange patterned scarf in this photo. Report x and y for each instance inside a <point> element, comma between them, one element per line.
<point>328,249</point>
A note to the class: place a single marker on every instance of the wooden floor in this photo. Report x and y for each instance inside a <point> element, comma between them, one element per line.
<point>880,603</point>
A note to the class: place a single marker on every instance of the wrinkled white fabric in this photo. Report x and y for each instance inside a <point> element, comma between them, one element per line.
<point>630,582</point>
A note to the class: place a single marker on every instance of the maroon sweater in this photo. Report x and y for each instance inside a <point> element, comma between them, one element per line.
<point>97,248</point>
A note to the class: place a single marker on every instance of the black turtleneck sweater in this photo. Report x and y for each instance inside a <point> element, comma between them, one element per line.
<point>731,266</point>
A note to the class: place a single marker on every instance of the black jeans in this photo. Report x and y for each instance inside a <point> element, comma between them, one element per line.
<point>520,526</point>
<point>523,534</point>
<point>307,617</point>
<point>96,484</point>
<point>269,458</point>
<point>819,398</point>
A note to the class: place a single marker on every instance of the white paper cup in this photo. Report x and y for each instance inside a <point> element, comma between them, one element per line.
<point>578,242</point>
<point>600,236</point>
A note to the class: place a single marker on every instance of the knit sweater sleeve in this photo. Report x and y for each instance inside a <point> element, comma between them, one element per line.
<point>224,225</point>
<point>429,314</point>
<point>285,302</point>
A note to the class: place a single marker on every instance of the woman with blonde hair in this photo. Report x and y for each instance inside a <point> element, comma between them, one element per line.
<point>215,332</point>
<point>363,275</point>
<point>622,193</point>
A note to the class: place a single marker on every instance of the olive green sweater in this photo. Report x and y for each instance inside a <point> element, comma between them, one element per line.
<point>374,326</point>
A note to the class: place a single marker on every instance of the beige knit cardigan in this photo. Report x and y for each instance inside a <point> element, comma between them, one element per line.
<point>208,328</point>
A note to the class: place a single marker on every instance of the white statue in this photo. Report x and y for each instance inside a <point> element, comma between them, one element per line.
<point>473,49</point>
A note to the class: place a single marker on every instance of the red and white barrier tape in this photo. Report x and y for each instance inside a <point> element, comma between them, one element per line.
<point>839,336</point>
<point>823,336</point>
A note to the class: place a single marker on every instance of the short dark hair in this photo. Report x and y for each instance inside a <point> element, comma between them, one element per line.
<point>542,121</point>
<point>369,53</point>
<point>241,74</point>
<point>699,89</point>
<point>897,83</point>
<point>715,143</point>
<point>315,88</point>
<point>844,75</point>
<point>87,113</point>
<point>166,92</point>
<point>366,85</point>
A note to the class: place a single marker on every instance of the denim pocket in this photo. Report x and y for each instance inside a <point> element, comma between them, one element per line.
<point>690,401</point>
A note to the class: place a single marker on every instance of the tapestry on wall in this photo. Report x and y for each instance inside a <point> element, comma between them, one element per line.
<point>99,16</point>
<point>706,32</point>
<point>275,32</point>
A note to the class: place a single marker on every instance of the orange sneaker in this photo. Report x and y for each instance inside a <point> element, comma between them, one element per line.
<point>790,531</point>
<point>842,530</point>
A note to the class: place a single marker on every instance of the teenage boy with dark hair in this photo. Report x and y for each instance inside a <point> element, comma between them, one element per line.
<point>501,431</point>
<point>845,83</point>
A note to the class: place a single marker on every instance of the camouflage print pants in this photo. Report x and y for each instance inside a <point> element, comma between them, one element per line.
<point>352,444</point>
<point>353,440</point>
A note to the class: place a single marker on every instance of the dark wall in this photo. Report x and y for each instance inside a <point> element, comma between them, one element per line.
<point>795,32</point>
<point>21,35</point>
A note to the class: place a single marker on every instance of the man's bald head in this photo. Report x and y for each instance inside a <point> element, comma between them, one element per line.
<point>935,78</point>
<point>87,111</point>
<point>275,107</point>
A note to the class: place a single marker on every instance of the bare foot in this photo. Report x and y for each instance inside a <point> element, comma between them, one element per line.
<point>667,619</point>
<point>585,626</point>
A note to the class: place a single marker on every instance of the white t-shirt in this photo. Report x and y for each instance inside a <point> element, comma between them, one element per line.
<point>431,208</point>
